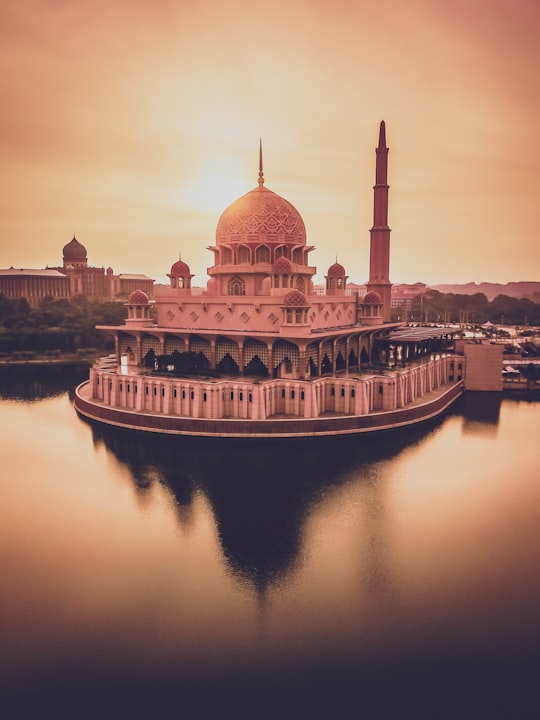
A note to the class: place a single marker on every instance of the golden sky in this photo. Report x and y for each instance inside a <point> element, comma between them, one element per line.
<point>134,123</point>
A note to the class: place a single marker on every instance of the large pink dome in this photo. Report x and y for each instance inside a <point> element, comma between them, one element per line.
<point>261,212</point>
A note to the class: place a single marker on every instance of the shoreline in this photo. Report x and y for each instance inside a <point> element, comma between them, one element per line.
<point>38,361</point>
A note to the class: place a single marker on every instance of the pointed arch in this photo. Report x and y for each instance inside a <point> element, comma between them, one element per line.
<point>326,365</point>
<point>243,255</point>
<point>200,347</point>
<point>226,255</point>
<point>285,357</point>
<point>226,346</point>
<point>228,366</point>
<point>236,286</point>
<point>262,254</point>
<point>255,348</point>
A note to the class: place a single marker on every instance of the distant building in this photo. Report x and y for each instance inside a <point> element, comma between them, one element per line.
<point>403,294</point>
<point>33,285</point>
<point>74,278</point>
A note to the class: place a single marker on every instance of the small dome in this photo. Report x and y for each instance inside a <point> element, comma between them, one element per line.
<point>138,297</point>
<point>295,298</point>
<point>336,270</point>
<point>180,269</point>
<point>74,250</point>
<point>372,298</point>
<point>282,265</point>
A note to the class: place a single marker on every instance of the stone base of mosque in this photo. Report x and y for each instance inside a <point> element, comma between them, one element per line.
<point>247,407</point>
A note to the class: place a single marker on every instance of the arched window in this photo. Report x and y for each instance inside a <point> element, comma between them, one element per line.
<point>226,255</point>
<point>243,254</point>
<point>298,256</point>
<point>262,254</point>
<point>300,284</point>
<point>237,286</point>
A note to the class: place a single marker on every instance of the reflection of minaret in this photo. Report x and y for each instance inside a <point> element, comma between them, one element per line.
<point>379,251</point>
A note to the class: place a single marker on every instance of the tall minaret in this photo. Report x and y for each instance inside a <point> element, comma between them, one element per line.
<point>379,249</point>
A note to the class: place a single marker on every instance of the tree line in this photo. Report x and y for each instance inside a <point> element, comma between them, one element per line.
<point>57,326</point>
<point>68,326</point>
<point>474,309</point>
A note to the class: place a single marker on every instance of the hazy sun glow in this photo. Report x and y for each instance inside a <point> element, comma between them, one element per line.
<point>213,188</point>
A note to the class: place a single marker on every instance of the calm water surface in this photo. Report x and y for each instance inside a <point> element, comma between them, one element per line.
<point>366,577</point>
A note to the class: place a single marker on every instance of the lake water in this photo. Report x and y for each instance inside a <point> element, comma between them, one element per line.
<point>392,575</point>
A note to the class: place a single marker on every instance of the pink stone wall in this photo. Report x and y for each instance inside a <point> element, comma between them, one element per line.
<point>483,366</point>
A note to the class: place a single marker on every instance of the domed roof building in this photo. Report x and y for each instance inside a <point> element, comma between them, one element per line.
<point>295,298</point>
<point>372,298</point>
<point>138,297</point>
<point>74,254</point>
<point>336,270</point>
<point>180,275</point>
<point>260,350</point>
<point>254,233</point>
<point>261,214</point>
<point>336,279</point>
<point>96,282</point>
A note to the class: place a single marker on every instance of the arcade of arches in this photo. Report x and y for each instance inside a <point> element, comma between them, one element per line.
<point>248,356</point>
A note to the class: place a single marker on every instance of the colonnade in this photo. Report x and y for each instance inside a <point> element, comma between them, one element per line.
<point>259,400</point>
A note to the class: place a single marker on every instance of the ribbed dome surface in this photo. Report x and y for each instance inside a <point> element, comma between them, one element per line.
<point>180,269</point>
<point>295,298</point>
<point>372,298</point>
<point>138,297</point>
<point>336,270</point>
<point>74,250</point>
<point>261,212</point>
<point>282,265</point>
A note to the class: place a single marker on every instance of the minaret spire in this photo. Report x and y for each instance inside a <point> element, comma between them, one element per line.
<point>379,255</point>
<point>382,135</point>
<point>261,175</point>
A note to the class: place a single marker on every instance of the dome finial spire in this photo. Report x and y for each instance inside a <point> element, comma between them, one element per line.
<point>261,175</point>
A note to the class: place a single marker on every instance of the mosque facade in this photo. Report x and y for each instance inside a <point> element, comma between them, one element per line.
<point>259,352</point>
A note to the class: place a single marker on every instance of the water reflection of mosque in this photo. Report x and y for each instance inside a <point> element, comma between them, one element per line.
<point>260,492</point>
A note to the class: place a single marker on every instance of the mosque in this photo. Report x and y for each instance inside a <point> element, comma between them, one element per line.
<point>261,352</point>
